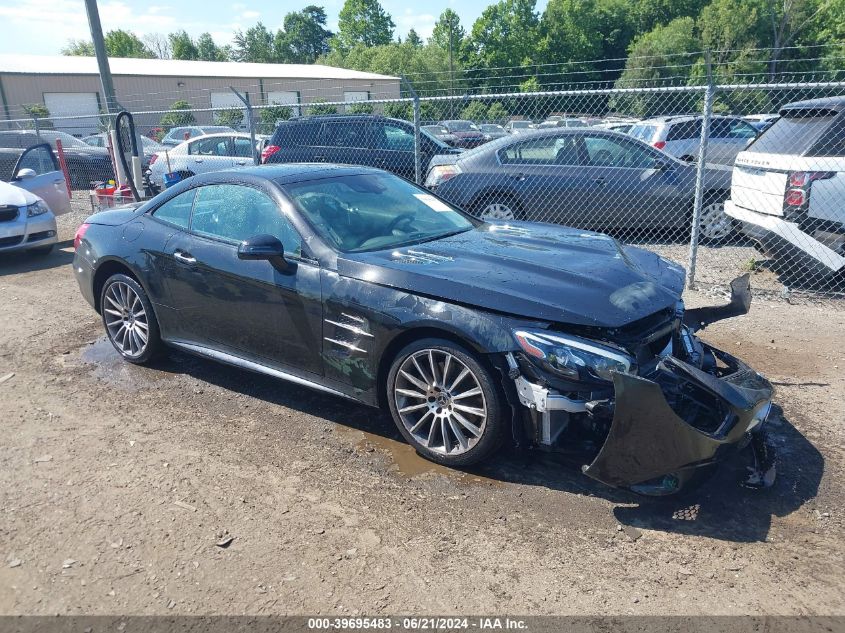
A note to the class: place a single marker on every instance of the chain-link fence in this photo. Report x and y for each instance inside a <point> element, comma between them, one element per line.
<point>724,177</point>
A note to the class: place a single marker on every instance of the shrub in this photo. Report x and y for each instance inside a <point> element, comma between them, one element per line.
<point>182,116</point>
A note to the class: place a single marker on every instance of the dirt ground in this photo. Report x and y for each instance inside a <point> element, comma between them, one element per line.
<point>191,487</point>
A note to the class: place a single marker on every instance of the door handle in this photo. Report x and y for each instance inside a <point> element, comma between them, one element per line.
<point>519,177</point>
<point>58,181</point>
<point>198,160</point>
<point>319,159</point>
<point>599,181</point>
<point>240,162</point>
<point>185,258</point>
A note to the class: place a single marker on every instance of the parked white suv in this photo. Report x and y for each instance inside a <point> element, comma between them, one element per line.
<point>788,188</point>
<point>680,136</point>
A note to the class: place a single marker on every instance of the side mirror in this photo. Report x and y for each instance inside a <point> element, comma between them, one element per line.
<point>266,247</point>
<point>25,173</point>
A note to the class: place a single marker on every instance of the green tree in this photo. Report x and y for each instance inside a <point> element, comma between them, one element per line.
<point>181,116</point>
<point>505,36</point>
<point>254,45</point>
<point>497,113</point>
<point>364,22</point>
<point>646,15</point>
<point>571,33</point>
<point>319,107</point>
<point>732,31</point>
<point>118,43</point>
<point>664,54</point>
<point>208,51</point>
<point>304,37</point>
<point>413,39</point>
<point>399,111</point>
<point>79,48</point>
<point>122,43</point>
<point>270,116</point>
<point>448,22</point>
<point>182,46</point>
<point>360,107</point>
<point>233,117</point>
<point>40,113</point>
<point>475,111</point>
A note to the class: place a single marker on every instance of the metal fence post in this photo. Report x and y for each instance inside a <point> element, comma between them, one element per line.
<point>250,121</point>
<point>709,93</point>
<point>417,149</point>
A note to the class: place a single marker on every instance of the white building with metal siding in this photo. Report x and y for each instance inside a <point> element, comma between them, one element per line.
<point>70,86</point>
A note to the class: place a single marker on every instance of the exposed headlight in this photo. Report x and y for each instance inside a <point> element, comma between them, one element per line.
<point>572,357</point>
<point>439,174</point>
<point>36,208</point>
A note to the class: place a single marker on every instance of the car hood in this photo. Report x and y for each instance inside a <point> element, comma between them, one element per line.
<point>16,196</point>
<point>536,271</point>
<point>118,215</point>
<point>466,134</point>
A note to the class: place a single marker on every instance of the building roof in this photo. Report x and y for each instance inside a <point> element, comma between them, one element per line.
<point>122,66</point>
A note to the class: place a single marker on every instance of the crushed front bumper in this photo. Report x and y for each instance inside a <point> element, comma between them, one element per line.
<point>652,445</point>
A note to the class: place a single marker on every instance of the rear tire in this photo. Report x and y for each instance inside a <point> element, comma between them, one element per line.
<point>446,403</point>
<point>128,318</point>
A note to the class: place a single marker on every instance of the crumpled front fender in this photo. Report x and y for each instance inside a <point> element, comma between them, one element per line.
<point>648,439</point>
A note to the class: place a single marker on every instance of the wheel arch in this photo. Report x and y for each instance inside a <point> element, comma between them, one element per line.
<point>489,193</point>
<point>408,336</point>
<point>106,269</point>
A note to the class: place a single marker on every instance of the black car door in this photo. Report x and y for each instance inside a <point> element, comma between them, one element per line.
<point>247,308</point>
<point>345,141</point>
<point>393,148</point>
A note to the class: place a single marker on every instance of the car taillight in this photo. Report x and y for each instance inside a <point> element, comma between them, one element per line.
<point>80,233</point>
<point>804,178</point>
<point>268,151</point>
<point>153,158</point>
<point>660,144</point>
<point>794,197</point>
<point>439,174</point>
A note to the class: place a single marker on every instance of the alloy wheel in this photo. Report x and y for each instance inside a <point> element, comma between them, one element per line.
<point>497,211</point>
<point>715,224</point>
<point>127,322</point>
<point>440,402</point>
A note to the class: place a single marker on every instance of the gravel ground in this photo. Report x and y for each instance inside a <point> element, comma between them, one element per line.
<point>191,487</point>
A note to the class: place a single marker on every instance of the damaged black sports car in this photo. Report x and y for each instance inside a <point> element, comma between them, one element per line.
<point>358,283</point>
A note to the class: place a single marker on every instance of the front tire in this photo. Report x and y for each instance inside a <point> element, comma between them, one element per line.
<point>129,320</point>
<point>445,403</point>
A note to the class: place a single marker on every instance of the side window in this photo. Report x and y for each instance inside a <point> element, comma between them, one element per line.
<point>720,128</point>
<point>741,129</point>
<point>345,134</point>
<point>243,147</point>
<point>296,134</point>
<point>685,131</point>
<point>39,159</point>
<point>550,150</point>
<point>611,152</point>
<point>214,146</point>
<point>177,210</point>
<point>396,138</point>
<point>236,213</point>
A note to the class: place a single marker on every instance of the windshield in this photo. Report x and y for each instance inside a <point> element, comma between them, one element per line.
<point>150,144</point>
<point>492,128</point>
<point>367,212</point>
<point>461,126</point>
<point>520,124</point>
<point>216,129</point>
<point>794,133</point>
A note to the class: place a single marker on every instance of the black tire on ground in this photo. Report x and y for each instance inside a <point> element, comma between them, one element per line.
<point>153,346</point>
<point>495,425</point>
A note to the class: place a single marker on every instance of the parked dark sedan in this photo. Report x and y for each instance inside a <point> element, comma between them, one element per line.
<point>85,164</point>
<point>585,177</point>
<point>364,286</point>
<point>466,133</point>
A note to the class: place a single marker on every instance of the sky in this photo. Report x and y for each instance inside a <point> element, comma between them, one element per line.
<point>43,27</point>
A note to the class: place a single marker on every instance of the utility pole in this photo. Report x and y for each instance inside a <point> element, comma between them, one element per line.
<point>102,57</point>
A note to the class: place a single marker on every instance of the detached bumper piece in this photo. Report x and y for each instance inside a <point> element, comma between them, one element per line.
<point>655,447</point>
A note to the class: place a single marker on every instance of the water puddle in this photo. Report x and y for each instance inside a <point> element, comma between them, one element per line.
<point>110,368</point>
<point>407,462</point>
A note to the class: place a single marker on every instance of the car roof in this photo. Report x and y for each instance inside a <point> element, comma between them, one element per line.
<point>837,104</point>
<point>285,173</point>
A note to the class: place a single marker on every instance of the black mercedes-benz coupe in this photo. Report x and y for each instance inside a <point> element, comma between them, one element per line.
<point>358,283</point>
